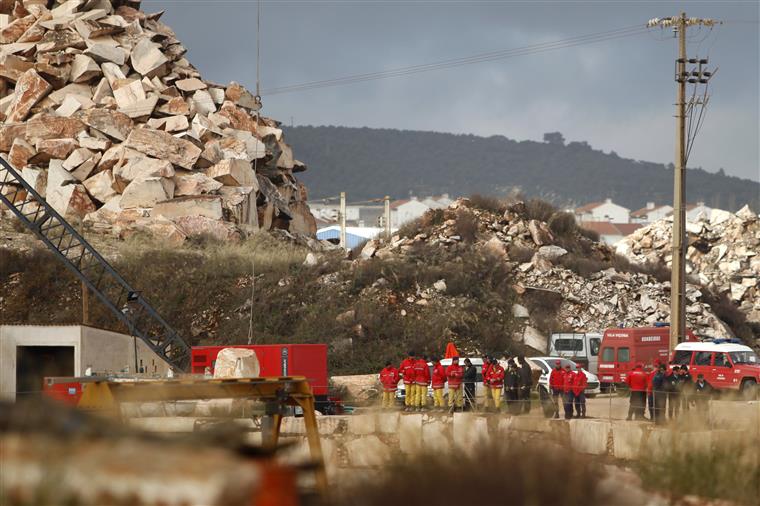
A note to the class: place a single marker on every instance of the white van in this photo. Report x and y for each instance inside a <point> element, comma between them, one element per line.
<point>578,347</point>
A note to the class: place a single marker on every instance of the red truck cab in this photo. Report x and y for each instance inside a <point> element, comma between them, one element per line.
<point>623,348</point>
<point>725,365</point>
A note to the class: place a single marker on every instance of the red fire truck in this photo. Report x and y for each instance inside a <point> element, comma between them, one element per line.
<point>308,360</point>
<point>623,348</point>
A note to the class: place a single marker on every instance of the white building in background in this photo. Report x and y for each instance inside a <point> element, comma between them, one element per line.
<point>651,213</point>
<point>698,210</point>
<point>403,211</point>
<point>603,211</point>
<point>439,202</point>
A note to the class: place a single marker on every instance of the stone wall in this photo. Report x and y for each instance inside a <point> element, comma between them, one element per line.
<point>369,440</point>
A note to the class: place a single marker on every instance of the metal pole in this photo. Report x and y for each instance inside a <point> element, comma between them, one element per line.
<point>387,212</point>
<point>342,218</point>
<point>85,305</point>
<point>678,274</point>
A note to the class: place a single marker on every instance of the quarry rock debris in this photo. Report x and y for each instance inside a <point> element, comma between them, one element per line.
<point>103,91</point>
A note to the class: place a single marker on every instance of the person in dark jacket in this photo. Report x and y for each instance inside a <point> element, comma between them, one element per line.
<point>469,379</point>
<point>672,380</point>
<point>659,394</point>
<point>526,384</point>
<point>702,393</point>
<point>512,388</point>
<point>685,387</point>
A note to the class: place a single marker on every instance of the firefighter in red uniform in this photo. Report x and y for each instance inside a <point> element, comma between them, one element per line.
<point>496,382</point>
<point>637,383</point>
<point>406,370</point>
<point>438,382</point>
<point>454,374</point>
<point>486,373</point>
<point>556,384</point>
<point>567,391</point>
<point>389,379</point>
<point>421,382</point>
<point>580,382</point>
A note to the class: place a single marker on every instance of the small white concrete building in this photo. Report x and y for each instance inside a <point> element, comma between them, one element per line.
<point>651,213</point>
<point>403,211</point>
<point>603,211</point>
<point>695,211</point>
<point>29,353</point>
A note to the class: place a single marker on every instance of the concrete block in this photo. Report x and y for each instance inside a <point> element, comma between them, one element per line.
<point>360,425</point>
<point>331,424</point>
<point>627,439</point>
<point>532,424</point>
<point>164,424</point>
<point>152,409</point>
<point>292,425</point>
<point>735,415</point>
<point>589,436</point>
<point>469,430</point>
<point>367,451</point>
<point>410,433</point>
<point>387,423</point>
<point>436,435</point>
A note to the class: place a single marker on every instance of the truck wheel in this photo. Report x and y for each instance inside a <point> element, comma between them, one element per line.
<point>748,390</point>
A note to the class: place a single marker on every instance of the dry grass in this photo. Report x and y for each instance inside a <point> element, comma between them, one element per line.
<point>498,473</point>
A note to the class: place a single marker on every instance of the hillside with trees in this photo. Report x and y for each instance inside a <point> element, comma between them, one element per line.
<point>369,163</point>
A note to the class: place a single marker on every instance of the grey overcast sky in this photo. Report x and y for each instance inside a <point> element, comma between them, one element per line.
<point>617,95</point>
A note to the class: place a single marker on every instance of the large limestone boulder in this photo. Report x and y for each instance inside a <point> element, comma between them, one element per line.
<point>234,173</point>
<point>146,192</point>
<point>236,363</point>
<point>65,195</point>
<point>208,206</point>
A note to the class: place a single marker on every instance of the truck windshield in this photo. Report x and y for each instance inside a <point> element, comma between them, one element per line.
<point>568,345</point>
<point>744,357</point>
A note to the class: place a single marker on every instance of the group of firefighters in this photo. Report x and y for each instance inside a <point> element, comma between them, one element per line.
<point>658,386</point>
<point>513,383</point>
<point>570,386</point>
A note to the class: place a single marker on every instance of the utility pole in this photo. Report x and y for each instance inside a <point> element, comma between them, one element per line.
<point>85,304</point>
<point>342,219</point>
<point>683,146</point>
<point>387,214</point>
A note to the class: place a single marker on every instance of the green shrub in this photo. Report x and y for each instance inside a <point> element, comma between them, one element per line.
<point>466,225</point>
<point>541,210</point>
<point>563,224</point>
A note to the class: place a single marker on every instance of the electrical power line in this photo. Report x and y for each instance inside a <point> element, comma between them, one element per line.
<point>469,60</point>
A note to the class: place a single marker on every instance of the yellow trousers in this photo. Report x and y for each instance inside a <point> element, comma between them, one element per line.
<point>496,394</point>
<point>410,392</point>
<point>455,397</point>
<point>438,398</point>
<point>421,399</point>
<point>388,398</point>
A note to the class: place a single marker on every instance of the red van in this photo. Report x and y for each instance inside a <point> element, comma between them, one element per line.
<point>725,366</point>
<point>623,348</point>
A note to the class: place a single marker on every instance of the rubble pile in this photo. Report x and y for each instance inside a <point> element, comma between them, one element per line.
<point>106,118</point>
<point>606,298</point>
<point>723,254</point>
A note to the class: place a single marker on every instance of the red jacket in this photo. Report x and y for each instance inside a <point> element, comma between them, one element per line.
<point>580,382</point>
<point>557,379</point>
<point>650,377</point>
<point>406,370</point>
<point>455,374</point>
<point>637,380</point>
<point>568,380</point>
<point>389,378</point>
<point>421,372</point>
<point>496,376</point>
<point>439,375</point>
<point>486,373</point>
